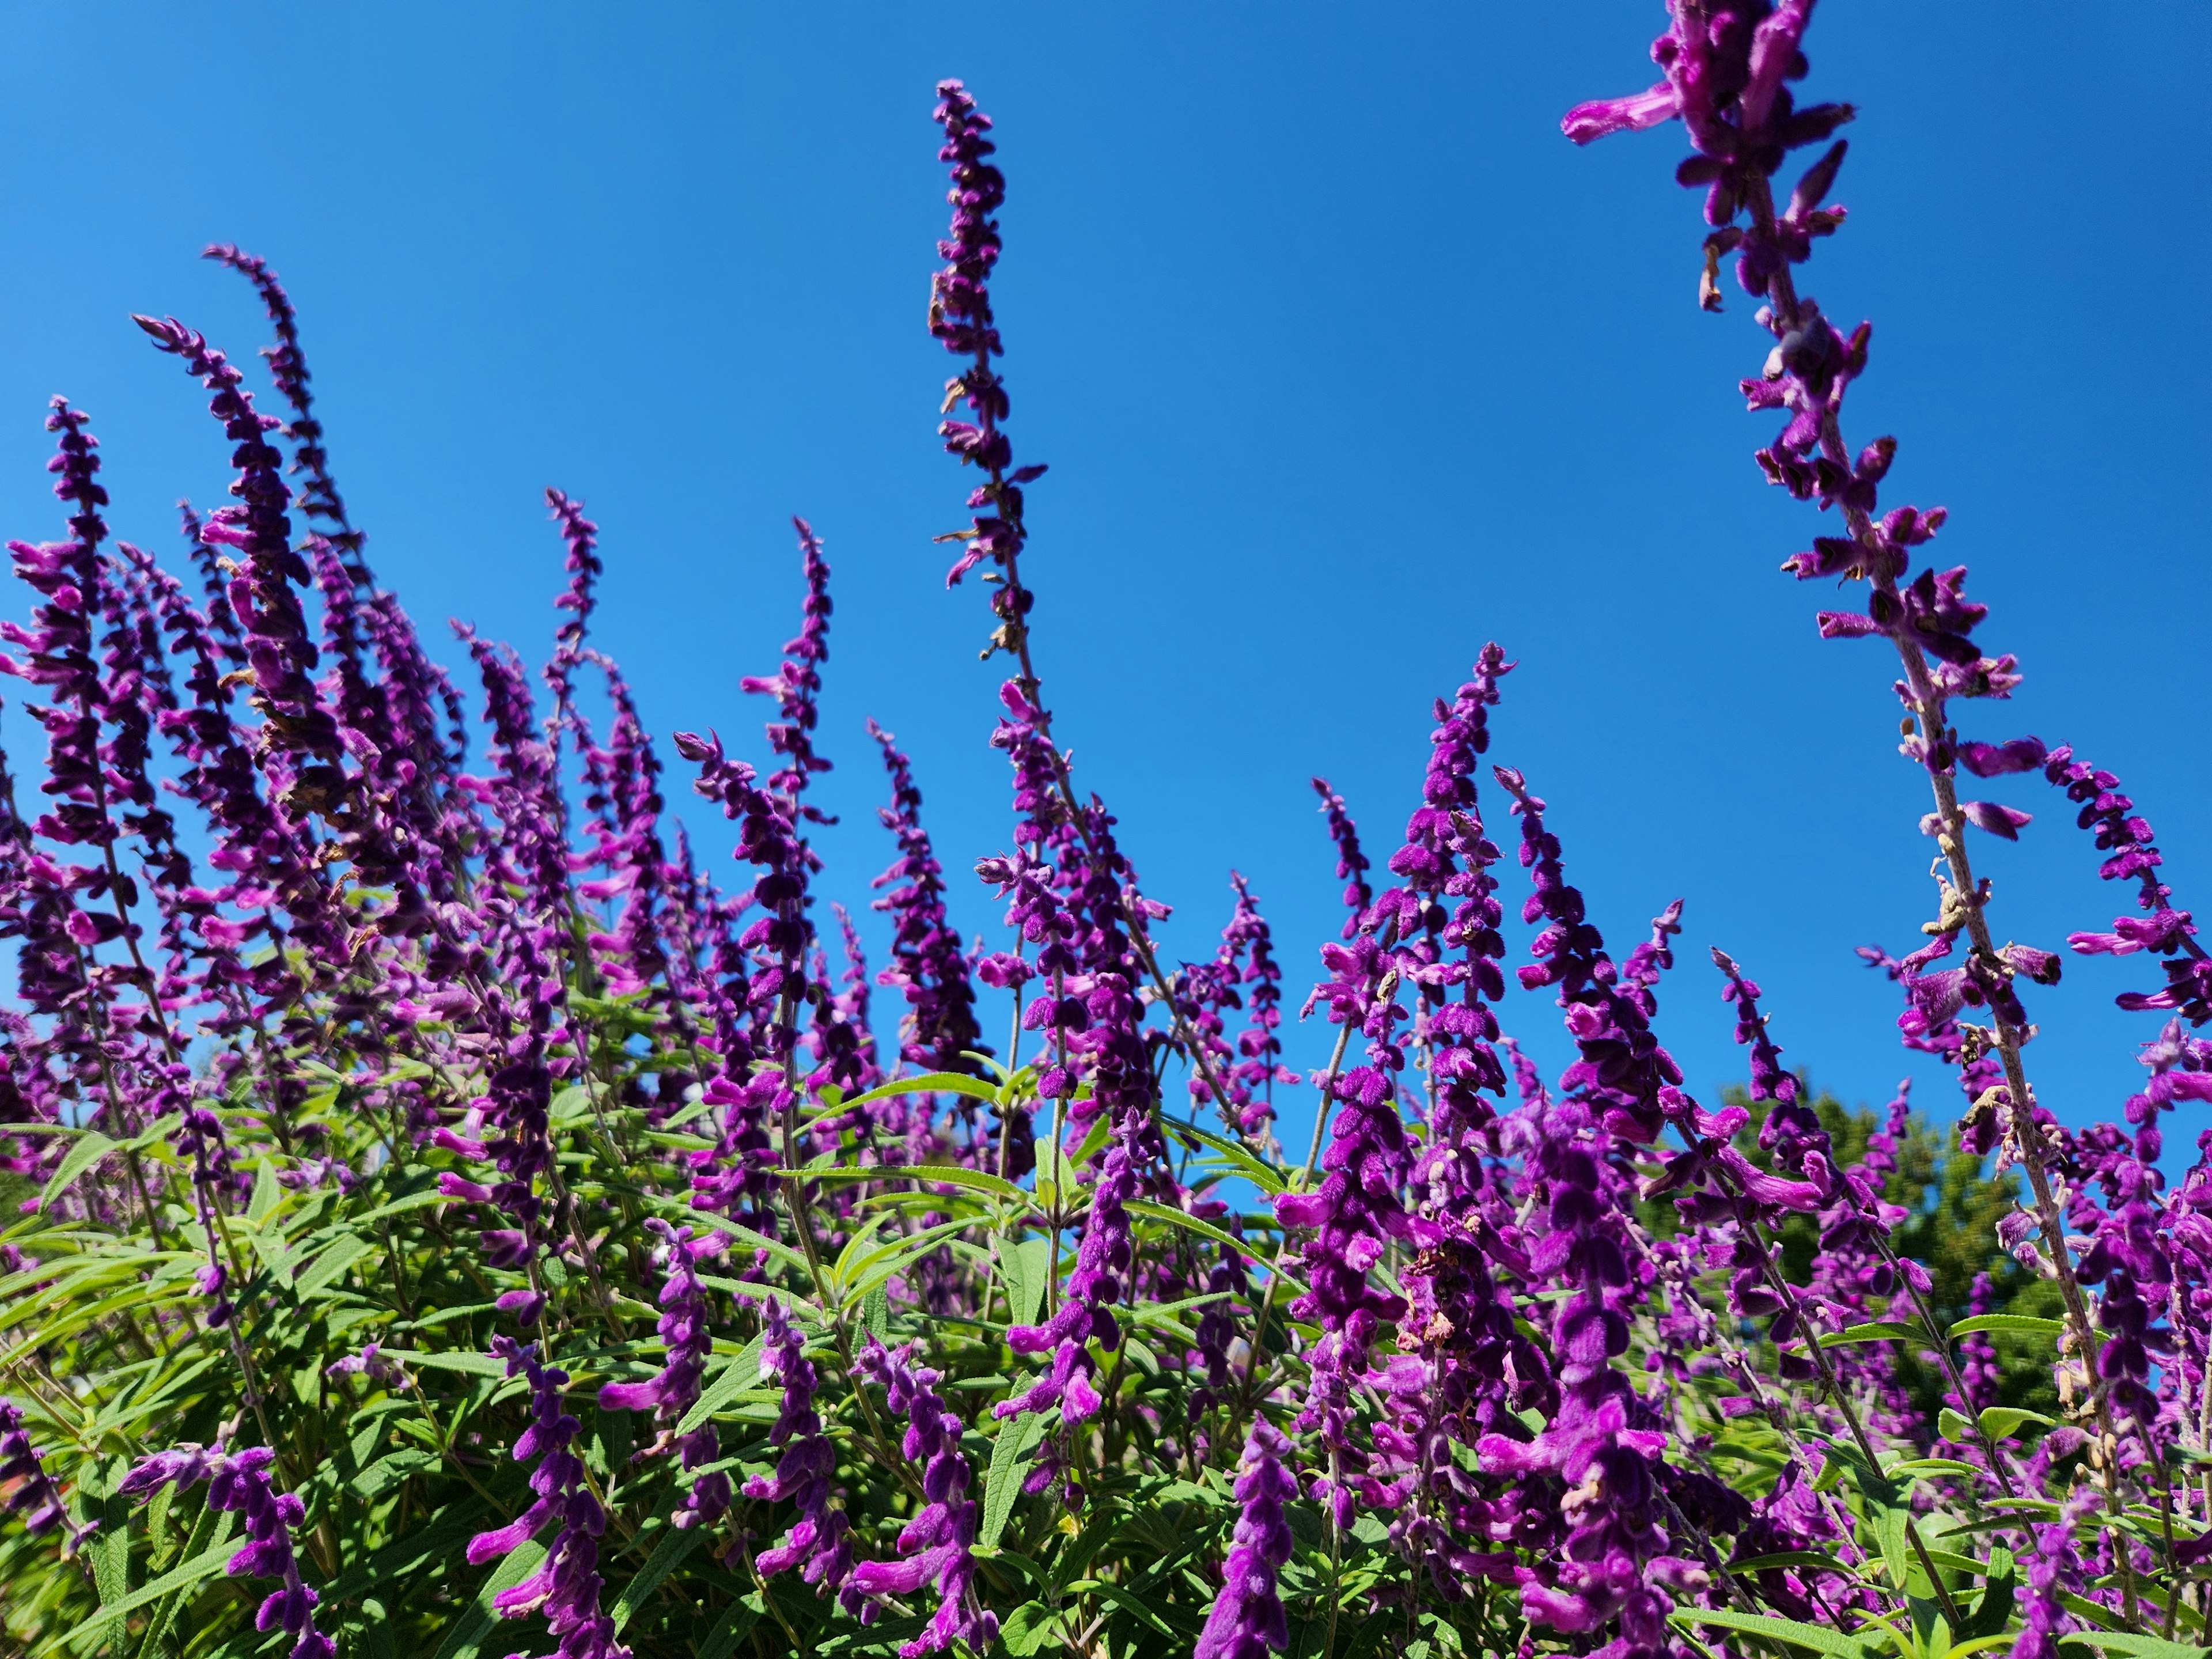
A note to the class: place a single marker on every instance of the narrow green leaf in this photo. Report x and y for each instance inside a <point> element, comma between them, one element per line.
<point>2019,1324</point>
<point>1819,1638</point>
<point>740,1375</point>
<point>1010,1462</point>
<point>948,1175</point>
<point>451,1359</point>
<point>731,1628</point>
<point>1877,1330</point>
<point>1144,1207</point>
<point>666,1557</point>
<point>82,1157</point>
<point>954,1083</point>
<point>1026,1267</point>
<point>341,1254</point>
<point>1896,1553</point>
<point>2136,1647</point>
<point>467,1636</point>
<point>1794,1560</point>
<point>210,1530</point>
<point>267,1191</point>
<point>1269,1180</point>
<point>1934,1466</point>
<point>1998,1421</point>
<point>205,1564</point>
<point>744,1235</point>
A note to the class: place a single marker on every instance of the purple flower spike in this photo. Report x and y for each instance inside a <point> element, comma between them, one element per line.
<point>797,684</point>
<point>566,1588</point>
<point>960,316</point>
<point>675,1390</point>
<point>33,1494</point>
<point>288,368</point>
<point>1622,1068</point>
<point>1247,1620</point>
<point>1249,1071</point>
<point>1100,1279</point>
<point>240,1481</point>
<point>2125,836</point>
<point>928,966</point>
<point>1351,862</point>
<point>817,1543</point>
<point>936,1544</point>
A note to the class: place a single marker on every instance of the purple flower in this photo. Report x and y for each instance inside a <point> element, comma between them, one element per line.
<point>1724,66</point>
<point>936,1544</point>
<point>1249,1072</point>
<point>1622,1068</point>
<point>278,646</point>
<point>2053,1572</point>
<point>2125,836</point>
<point>240,1481</point>
<point>1248,1620</point>
<point>797,684</point>
<point>1100,1279</point>
<point>960,316</point>
<point>1355,1212</point>
<point>817,1542</point>
<point>670,1394</point>
<point>288,368</point>
<point>566,1587</point>
<point>33,1494</point>
<point>1351,862</point>
<point>939,1030</point>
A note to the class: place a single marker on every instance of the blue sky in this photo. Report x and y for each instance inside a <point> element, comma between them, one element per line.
<point>1345,361</point>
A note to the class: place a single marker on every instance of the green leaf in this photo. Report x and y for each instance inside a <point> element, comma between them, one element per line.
<point>2019,1324</point>
<point>1144,1207</point>
<point>1934,1466</point>
<point>210,1531</point>
<point>1818,1637</point>
<point>1954,1427</point>
<point>1794,1560</point>
<point>467,1636</point>
<point>1877,1330</point>
<point>1010,1462</point>
<point>1896,1553</point>
<point>740,1375</point>
<point>1998,1421</point>
<point>391,1470</point>
<point>341,1254</point>
<point>450,1359</point>
<point>666,1557</point>
<point>267,1192</point>
<point>1994,1611</point>
<point>1030,1628</point>
<point>205,1564</point>
<point>731,1628</point>
<point>955,1083</point>
<point>1026,1267</point>
<point>948,1174</point>
<point>1267,1179</point>
<point>2136,1647</point>
<point>82,1157</point>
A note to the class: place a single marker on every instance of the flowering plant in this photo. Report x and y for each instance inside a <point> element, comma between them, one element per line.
<point>418,1157</point>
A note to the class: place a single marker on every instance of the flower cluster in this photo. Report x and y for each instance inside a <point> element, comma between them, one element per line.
<point>239,1483</point>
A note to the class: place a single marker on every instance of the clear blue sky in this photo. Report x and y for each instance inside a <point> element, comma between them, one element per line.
<point>1344,360</point>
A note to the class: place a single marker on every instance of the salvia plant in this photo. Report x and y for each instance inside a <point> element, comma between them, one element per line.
<point>451,1212</point>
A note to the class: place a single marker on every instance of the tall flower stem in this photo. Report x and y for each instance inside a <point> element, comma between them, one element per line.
<point>1928,704</point>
